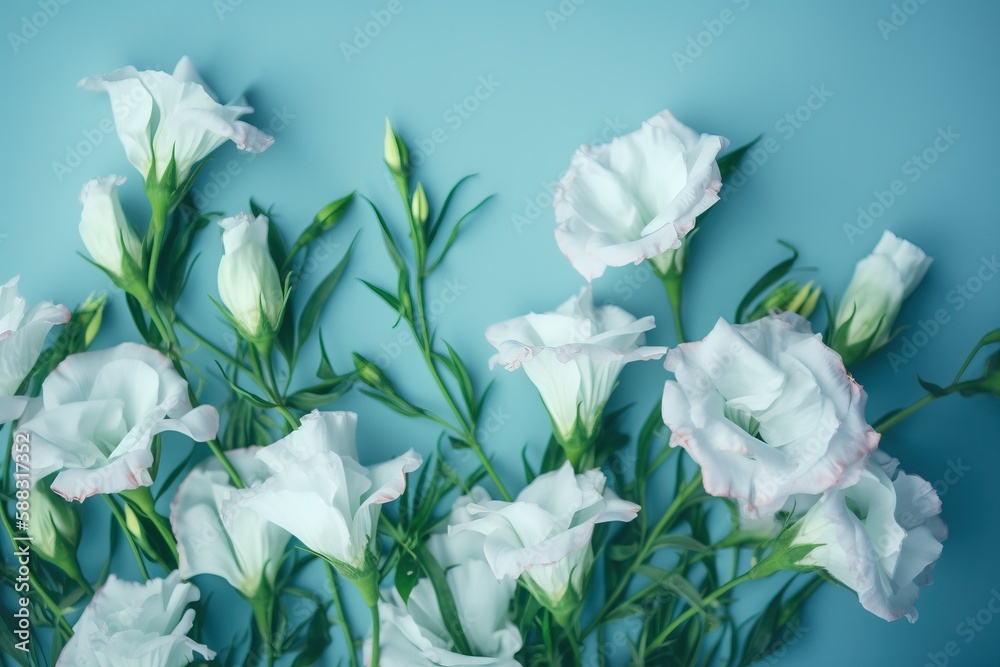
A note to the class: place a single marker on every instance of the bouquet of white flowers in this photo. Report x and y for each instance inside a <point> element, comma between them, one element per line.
<point>758,457</point>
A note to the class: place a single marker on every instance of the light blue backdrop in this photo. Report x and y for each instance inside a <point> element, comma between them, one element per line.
<point>850,92</point>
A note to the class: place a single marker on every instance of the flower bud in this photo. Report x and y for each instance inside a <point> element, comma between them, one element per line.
<point>418,207</point>
<point>397,157</point>
<point>248,278</point>
<point>788,297</point>
<point>109,239</point>
<point>881,282</point>
<point>371,374</point>
<point>54,529</point>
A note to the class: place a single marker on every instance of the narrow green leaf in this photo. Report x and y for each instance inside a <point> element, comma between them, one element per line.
<point>454,235</point>
<point>390,244</point>
<point>385,296</point>
<point>776,273</point>
<point>314,305</point>
<point>252,398</point>
<point>436,225</point>
<point>407,575</point>
<point>322,222</point>
<point>446,602</point>
<point>731,160</point>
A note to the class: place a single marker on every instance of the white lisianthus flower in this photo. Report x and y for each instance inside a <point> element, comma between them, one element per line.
<point>162,116</point>
<point>104,229</point>
<point>129,624</point>
<point>99,410</point>
<point>768,411</point>
<point>881,282</point>
<point>248,278</point>
<point>573,356</point>
<point>880,537</point>
<point>636,197</point>
<point>544,534</point>
<point>22,336</point>
<point>319,492</point>
<point>413,633</point>
<point>242,548</point>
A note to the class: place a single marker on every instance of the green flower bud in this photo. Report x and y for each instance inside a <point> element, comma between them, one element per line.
<point>419,207</point>
<point>55,529</point>
<point>788,297</point>
<point>397,157</point>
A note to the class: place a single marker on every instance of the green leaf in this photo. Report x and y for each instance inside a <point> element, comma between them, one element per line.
<point>325,371</point>
<point>390,244</point>
<point>436,225</point>
<point>932,388</point>
<point>250,397</point>
<point>407,575</point>
<point>446,602</point>
<point>776,273</point>
<point>454,235</point>
<point>681,542</point>
<point>314,305</point>
<point>731,160</point>
<point>385,296</point>
<point>312,398</point>
<point>461,374</point>
<point>323,222</point>
<point>529,473</point>
<point>317,640</point>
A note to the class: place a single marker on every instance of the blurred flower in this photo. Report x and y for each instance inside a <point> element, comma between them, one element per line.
<point>136,625</point>
<point>319,492</point>
<point>242,548</point>
<point>248,278</point>
<point>105,231</point>
<point>636,197</point>
<point>879,537</point>
<point>22,336</point>
<point>767,411</point>
<point>788,297</point>
<point>881,282</point>
<point>573,356</point>
<point>99,411</point>
<point>163,118</point>
<point>414,632</point>
<point>544,535</point>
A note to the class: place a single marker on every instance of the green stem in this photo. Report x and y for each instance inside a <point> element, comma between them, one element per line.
<point>893,418</point>
<point>661,526</point>
<point>156,227</point>
<point>338,605</point>
<point>214,349</point>
<point>691,611</point>
<point>142,500</point>
<point>375,635</point>
<point>267,382</point>
<point>572,638</point>
<point>672,283</point>
<point>120,517</point>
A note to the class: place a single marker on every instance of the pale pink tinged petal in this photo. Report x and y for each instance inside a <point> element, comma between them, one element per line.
<point>125,473</point>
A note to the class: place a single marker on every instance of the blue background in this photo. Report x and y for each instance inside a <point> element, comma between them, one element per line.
<point>566,74</point>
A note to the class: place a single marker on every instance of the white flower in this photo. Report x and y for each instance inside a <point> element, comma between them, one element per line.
<point>880,537</point>
<point>413,633</point>
<point>544,535</point>
<point>573,356</point>
<point>319,492</point>
<point>768,411</point>
<point>159,115</point>
<point>881,282</point>
<point>136,625</point>
<point>244,549</point>
<point>98,413</point>
<point>22,335</point>
<point>103,226</point>
<point>248,278</point>
<point>636,197</point>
